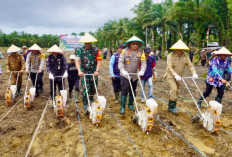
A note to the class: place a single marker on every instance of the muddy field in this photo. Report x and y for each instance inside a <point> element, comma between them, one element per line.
<point>117,135</point>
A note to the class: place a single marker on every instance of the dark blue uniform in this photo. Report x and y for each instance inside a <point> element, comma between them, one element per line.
<point>57,67</point>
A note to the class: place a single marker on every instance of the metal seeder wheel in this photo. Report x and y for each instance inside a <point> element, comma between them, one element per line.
<point>95,109</point>
<point>210,117</point>
<point>145,116</point>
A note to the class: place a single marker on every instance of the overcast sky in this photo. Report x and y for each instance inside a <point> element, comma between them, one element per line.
<point>61,16</point>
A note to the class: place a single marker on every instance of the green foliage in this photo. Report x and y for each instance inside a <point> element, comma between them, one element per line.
<point>191,18</point>
<point>159,25</point>
<point>21,38</point>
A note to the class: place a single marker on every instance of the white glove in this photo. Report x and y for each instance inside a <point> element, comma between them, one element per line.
<point>65,75</point>
<point>178,78</point>
<point>195,76</point>
<point>125,73</point>
<point>141,73</point>
<point>50,76</point>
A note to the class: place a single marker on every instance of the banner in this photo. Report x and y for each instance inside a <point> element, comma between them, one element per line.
<point>70,42</point>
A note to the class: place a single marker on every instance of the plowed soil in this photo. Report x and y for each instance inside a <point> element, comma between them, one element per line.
<point>116,133</point>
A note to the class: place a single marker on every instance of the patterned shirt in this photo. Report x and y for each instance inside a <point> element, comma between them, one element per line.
<point>88,59</point>
<point>216,71</point>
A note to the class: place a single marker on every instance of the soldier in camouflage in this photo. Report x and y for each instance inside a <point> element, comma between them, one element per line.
<point>88,62</point>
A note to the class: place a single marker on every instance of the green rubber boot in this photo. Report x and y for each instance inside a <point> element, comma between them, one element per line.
<point>123,104</point>
<point>130,105</point>
<point>70,95</point>
<point>199,102</point>
<point>172,106</point>
<point>116,97</point>
<point>76,94</point>
<point>85,102</point>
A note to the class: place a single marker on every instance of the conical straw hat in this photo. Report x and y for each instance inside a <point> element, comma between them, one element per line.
<point>87,38</point>
<point>13,49</point>
<point>180,45</point>
<point>134,38</point>
<point>214,52</point>
<point>55,49</point>
<point>35,47</point>
<point>223,51</point>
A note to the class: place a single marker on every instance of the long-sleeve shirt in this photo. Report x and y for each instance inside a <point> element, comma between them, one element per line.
<point>15,62</point>
<point>56,66</point>
<point>176,65</point>
<point>72,71</point>
<point>89,59</point>
<point>129,61</point>
<point>35,62</point>
<point>111,67</point>
<point>217,69</point>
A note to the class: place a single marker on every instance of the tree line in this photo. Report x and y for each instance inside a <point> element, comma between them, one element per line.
<point>158,24</point>
<point>161,24</point>
<point>22,38</point>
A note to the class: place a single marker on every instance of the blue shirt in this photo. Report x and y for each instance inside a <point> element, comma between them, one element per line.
<point>112,61</point>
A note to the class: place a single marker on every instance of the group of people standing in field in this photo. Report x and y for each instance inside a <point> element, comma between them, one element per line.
<point>126,65</point>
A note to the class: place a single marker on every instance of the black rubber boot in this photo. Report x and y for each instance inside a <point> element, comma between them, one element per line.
<point>36,93</point>
<point>91,98</point>
<point>130,105</point>
<point>172,106</point>
<point>218,99</point>
<point>18,92</point>
<point>41,90</point>
<point>123,104</point>
<point>199,102</point>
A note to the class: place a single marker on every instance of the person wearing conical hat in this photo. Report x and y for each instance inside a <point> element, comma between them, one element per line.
<point>15,62</point>
<point>57,67</point>
<point>35,64</point>
<point>88,62</point>
<point>219,65</point>
<point>176,63</point>
<point>129,62</point>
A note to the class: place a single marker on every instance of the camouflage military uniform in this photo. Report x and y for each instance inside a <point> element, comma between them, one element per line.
<point>88,65</point>
<point>15,62</point>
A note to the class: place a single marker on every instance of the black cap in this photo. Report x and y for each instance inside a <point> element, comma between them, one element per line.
<point>122,46</point>
<point>147,49</point>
